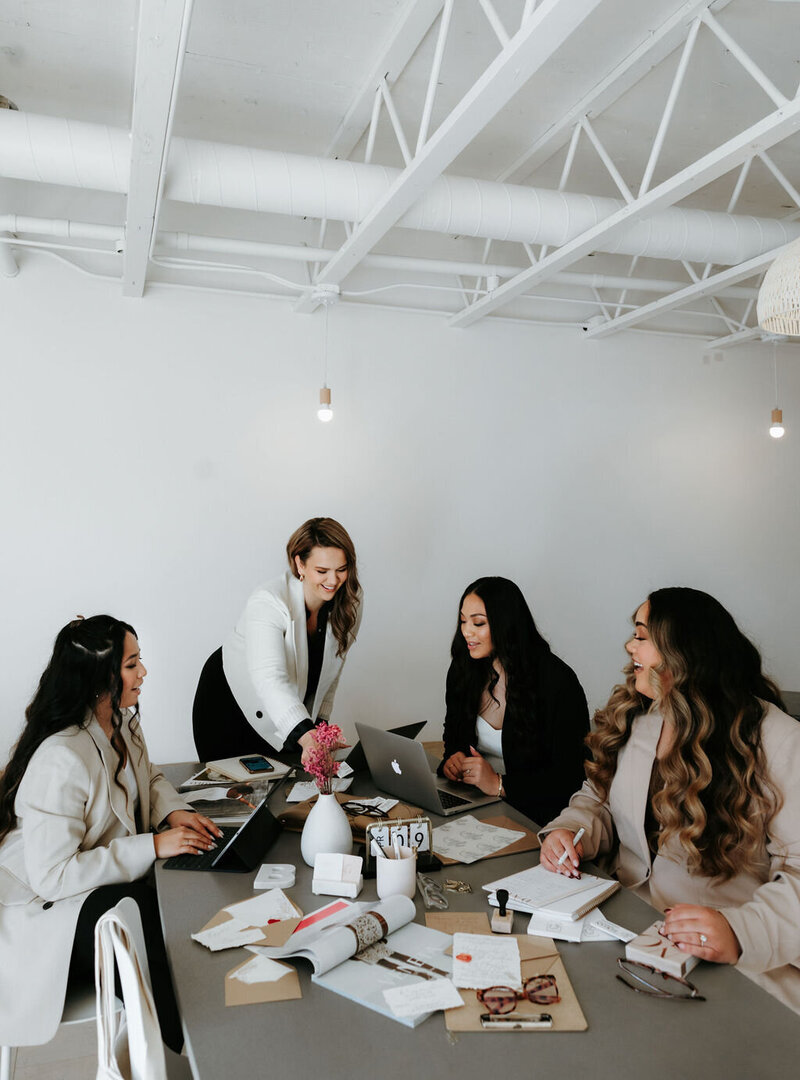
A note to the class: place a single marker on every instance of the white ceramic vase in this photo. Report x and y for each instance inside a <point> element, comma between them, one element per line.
<point>327,829</point>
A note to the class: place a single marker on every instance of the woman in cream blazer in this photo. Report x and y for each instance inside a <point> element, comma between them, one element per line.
<point>278,671</point>
<point>651,805</point>
<point>75,819</point>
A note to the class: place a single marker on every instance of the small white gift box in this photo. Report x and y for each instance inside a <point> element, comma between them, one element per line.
<point>337,875</point>
<point>653,949</point>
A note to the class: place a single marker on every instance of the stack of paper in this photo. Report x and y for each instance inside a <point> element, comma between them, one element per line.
<point>538,891</point>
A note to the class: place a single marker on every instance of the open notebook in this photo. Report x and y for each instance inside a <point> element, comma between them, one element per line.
<point>539,891</point>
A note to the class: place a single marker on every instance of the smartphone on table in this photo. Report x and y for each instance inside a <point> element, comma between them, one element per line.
<point>256,764</point>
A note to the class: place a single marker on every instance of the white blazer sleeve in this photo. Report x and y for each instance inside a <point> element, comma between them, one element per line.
<point>265,625</point>
<point>51,802</point>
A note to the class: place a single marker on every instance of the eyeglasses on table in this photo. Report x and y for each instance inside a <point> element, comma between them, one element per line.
<point>539,989</point>
<point>655,983</point>
<point>358,809</point>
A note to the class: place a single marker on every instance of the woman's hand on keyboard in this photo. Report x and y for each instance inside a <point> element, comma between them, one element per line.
<point>181,840</point>
<point>199,822</point>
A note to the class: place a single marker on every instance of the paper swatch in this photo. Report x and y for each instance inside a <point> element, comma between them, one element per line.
<point>480,960</point>
<point>307,789</point>
<point>467,840</point>
<point>262,909</point>
<point>596,923</point>
<point>261,969</point>
<point>228,935</point>
<point>592,927</point>
<point>423,997</point>
<point>562,929</point>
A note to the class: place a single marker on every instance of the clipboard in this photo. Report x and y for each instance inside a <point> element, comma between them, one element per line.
<point>538,956</point>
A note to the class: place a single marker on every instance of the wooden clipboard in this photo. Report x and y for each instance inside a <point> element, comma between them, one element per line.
<point>539,956</point>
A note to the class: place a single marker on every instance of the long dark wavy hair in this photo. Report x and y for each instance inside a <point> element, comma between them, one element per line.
<point>86,664</point>
<point>716,800</point>
<point>325,532</point>
<point>516,644</point>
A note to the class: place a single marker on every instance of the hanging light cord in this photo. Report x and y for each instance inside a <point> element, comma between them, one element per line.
<point>775,369</point>
<point>325,349</point>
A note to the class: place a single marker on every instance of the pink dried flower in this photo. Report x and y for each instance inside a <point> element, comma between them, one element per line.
<point>319,762</point>
<point>328,735</point>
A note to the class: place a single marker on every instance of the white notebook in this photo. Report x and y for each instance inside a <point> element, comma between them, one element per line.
<point>539,891</point>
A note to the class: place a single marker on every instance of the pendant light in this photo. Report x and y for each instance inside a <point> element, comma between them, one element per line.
<point>778,309</point>
<point>776,428</point>
<point>325,295</point>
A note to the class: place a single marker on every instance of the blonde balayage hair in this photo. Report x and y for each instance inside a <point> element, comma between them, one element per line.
<point>717,800</point>
<point>328,533</point>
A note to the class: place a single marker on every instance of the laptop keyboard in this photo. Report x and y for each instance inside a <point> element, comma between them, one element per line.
<point>448,800</point>
<point>204,859</point>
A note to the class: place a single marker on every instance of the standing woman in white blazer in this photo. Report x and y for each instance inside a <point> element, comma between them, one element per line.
<point>277,673</point>
<point>78,801</point>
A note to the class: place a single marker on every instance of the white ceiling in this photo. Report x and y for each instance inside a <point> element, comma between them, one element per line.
<point>302,77</point>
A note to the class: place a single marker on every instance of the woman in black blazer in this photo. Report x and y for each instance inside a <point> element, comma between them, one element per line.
<point>516,715</point>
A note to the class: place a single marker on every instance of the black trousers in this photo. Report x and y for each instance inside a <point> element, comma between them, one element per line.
<point>221,729</point>
<point>82,961</point>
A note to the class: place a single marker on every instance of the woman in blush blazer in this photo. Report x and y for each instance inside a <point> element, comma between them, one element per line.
<point>277,673</point>
<point>693,794</point>
<point>78,802</point>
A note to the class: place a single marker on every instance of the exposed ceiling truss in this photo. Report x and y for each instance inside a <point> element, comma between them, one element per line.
<point>621,128</point>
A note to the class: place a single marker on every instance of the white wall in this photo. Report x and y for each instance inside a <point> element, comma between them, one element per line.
<point>157,454</point>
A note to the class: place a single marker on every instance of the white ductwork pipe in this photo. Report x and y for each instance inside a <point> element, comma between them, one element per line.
<point>182,243</point>
<point>80,154</point>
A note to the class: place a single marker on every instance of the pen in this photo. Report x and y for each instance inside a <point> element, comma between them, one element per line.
<point>575,840</point>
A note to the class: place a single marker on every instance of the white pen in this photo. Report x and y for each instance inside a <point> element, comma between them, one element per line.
<point>575,840</point>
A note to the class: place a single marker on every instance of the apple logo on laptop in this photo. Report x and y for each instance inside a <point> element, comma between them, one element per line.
<point>396,767</point>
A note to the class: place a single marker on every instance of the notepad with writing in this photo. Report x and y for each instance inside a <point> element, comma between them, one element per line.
<point>554,895</point>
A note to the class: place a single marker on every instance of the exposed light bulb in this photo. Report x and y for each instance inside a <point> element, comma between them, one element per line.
<point>325,412</point>
<point>776,428</point>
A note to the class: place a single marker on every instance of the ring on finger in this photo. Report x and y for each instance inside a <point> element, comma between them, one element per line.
<point>703,939</point>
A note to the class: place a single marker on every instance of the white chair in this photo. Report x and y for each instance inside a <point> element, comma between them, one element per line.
<point>80,1007</point>
<point>133,1048</point>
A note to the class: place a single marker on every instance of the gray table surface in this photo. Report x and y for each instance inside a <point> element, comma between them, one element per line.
<point>739,1033</point>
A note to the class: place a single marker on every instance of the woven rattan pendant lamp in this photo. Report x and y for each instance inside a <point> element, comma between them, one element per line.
<point>779,295</point>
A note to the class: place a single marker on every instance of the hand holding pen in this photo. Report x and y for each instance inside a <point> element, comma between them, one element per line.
<point>562,852</point>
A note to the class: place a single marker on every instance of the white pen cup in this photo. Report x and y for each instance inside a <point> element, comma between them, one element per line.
<point>397,876</point>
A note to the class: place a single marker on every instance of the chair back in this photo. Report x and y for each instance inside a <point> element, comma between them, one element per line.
<point>129,1049</point>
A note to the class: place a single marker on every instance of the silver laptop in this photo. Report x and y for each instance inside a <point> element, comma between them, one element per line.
<point>400,766</point>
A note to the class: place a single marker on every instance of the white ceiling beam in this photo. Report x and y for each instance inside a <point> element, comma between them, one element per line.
<point>411,29</point>
<point>703,287</point>
<point>161,38</point>
<point>658,44</point>
<point>739,338</point>
<point>547,28</point>
<point>775,127</point>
